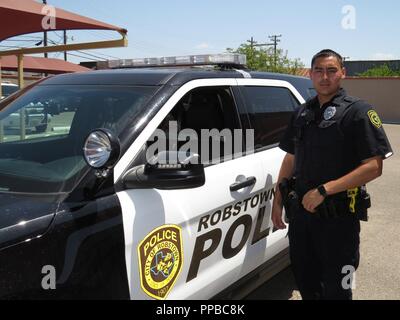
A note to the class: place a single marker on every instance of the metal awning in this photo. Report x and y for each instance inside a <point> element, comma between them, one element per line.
<point>41,65</point>
<point>33,14</point>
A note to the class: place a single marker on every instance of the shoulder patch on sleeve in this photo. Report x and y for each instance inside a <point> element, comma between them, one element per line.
<point>374,118</point>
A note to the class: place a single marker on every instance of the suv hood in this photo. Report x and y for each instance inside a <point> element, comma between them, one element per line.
<point>23,218</point>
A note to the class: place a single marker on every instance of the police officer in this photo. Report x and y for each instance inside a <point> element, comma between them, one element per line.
<point>335,144</point>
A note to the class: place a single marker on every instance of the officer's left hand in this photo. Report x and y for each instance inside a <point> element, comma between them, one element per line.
<point>311,200</point>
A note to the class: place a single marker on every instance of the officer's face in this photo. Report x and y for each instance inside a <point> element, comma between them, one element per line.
<point>326,75</point>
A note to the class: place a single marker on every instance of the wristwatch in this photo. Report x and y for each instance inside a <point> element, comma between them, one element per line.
<point>322,191</point>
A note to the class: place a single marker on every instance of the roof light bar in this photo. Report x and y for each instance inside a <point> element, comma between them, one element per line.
<point>228,59</point>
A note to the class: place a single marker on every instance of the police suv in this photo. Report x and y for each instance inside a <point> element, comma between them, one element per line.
<point>148,183</point>
<point>7,89</point>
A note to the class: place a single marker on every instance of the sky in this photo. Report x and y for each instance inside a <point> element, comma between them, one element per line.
<point>359,30</point>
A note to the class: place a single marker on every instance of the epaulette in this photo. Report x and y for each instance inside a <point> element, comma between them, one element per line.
<point>351,99</point>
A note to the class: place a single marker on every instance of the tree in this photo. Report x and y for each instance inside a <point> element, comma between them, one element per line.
<point>261,59</point>
<point>381,71</point>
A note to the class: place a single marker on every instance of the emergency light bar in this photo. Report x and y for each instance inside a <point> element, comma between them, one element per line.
<point>228,60</point>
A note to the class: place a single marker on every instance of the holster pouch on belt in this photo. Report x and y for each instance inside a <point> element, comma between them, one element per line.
<point>354,202</point>
<point>290,200</point>
<point>363,203</point>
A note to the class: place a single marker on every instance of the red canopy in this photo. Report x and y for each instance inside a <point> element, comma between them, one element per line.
<point>25,16</point>
<point>40,65</point>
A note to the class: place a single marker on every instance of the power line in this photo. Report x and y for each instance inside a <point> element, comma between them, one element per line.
<point>97,34</point>
<point>102,55</point>
<point>61,39</point>
<point>107,55</point>
<point>31,37</point>
<point>79,56</point>
<point>21,40</point>
<point>12,47</point>
<point>89,54</point>
<point>55,32</point>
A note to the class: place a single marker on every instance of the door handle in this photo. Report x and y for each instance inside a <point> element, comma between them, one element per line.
<point>241,185</point>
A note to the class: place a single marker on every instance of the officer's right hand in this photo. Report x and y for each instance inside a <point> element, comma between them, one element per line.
<point>276,216</point>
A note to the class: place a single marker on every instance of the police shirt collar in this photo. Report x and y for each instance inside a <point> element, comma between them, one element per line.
<point>336,100</point>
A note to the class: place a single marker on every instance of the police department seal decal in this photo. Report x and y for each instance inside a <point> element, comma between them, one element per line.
<point>375,120</point>
<point>329,113</point>
<point>160,260</point>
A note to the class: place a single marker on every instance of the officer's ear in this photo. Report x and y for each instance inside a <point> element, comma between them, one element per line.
<point>343,72</point>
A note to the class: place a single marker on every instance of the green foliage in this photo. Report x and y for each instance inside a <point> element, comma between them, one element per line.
<point>381,71</point>
<point>262,59</point>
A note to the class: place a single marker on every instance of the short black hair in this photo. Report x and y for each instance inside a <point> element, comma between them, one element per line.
<point>325,54</point>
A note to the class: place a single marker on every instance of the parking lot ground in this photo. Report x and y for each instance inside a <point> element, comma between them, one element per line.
<point>378,277</point>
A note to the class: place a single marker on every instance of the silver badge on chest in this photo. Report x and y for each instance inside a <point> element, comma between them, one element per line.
<point>329,113</point>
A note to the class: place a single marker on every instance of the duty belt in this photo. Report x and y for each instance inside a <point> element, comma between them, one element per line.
<point>354,201</point>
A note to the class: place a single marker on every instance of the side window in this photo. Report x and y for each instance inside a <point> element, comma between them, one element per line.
<point>45,118</point>
<point>209,108</point>
<point>270,110</point>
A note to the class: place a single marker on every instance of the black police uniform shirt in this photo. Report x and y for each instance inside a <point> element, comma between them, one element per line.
<point>331,140</point>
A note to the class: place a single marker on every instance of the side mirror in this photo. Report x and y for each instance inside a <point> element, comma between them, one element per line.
<point>101,149</point>
<point>186,174</point>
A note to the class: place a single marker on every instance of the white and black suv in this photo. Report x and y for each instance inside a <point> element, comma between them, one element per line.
<point>147,183</point>
<point>7,89</point>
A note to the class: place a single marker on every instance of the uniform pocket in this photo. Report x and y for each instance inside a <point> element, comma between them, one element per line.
<point>328,134</point>
<point>327,150</point>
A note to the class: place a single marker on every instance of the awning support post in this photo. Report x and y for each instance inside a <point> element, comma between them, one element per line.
<point>1,121</point>
<point>21,85</point>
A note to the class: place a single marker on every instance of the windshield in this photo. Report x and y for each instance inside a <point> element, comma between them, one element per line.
<point>43,131</point>
<point>7,90</point>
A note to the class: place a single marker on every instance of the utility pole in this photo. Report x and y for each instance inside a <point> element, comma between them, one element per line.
<point>65,42</point>
<point>45,34</point>
<point>275,41</point>
<point>254,44</point>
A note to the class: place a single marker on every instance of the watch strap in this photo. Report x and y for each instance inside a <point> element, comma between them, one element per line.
<point>321,189</point>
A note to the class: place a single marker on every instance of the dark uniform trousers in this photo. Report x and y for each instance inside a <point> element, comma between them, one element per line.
<point>322,251</point>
